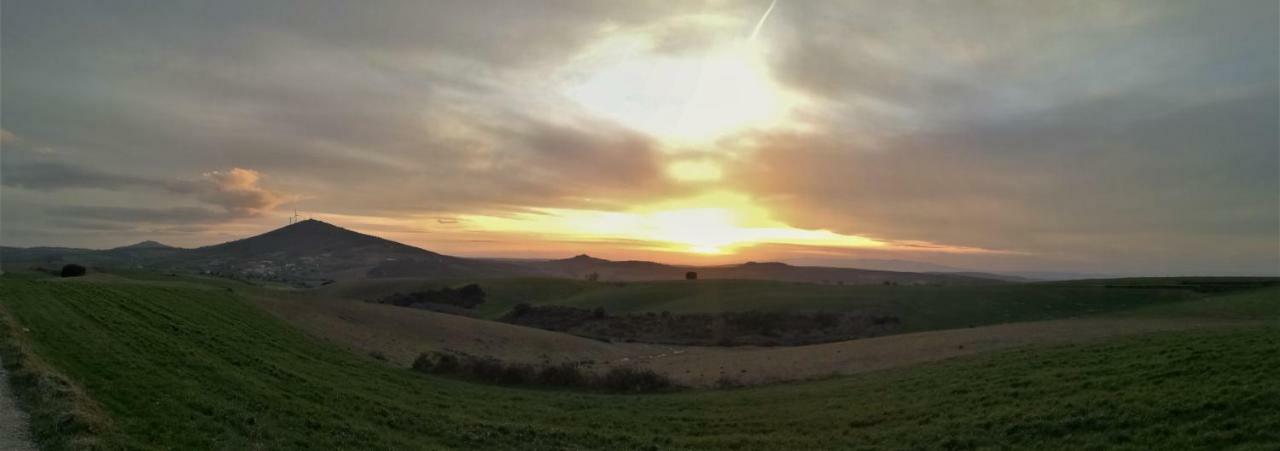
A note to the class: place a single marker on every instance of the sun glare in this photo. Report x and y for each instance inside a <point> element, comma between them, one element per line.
<point>714,223</point>
<point>680,98</point>
<point>694,171</point>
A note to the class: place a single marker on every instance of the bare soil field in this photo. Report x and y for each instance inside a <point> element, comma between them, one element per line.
<point>400,334</point>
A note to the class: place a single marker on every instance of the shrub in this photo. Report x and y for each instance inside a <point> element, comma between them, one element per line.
<point>473,293</point>
<point>488,369</point>
<point>424,363</point>
<point>691,275</point>
<point>447,363</point>
<point>72,270</point>
<point>467,297</point>
<point>726,382</point>
<point>567,375</point>
<point>628,379</point>
<point>826,319</point>
<point>562,375</point>
<point>521,309</point>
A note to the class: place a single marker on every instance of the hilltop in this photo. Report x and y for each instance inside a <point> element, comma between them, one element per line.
<point>148,244</point>
<point>308,252</point>
<point>314,252</point>
<point>608,270</point>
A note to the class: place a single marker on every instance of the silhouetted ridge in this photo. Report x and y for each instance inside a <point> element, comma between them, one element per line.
<point>148,244</point>
<point>310,237</point>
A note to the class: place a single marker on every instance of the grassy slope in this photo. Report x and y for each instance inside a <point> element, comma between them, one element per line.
<point>189,368</point>
<point>920,308</point>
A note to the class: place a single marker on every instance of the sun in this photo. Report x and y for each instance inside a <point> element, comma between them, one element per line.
<point>682,98</point>
<point>714,223</point>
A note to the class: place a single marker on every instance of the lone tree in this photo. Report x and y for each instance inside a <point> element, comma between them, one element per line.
<point>72,270</point>
<point>691,275</point>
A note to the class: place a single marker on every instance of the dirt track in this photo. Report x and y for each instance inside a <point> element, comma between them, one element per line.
<point>401,334</point>
<point>13,421</point>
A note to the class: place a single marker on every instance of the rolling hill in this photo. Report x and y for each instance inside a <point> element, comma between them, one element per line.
<point>313,252</point>
<point>146,366</point>
<point>308,252</point>
<point>310,249</point>
<point>608,270</point>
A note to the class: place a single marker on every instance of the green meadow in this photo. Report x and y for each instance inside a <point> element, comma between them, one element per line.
<point>186,366</point>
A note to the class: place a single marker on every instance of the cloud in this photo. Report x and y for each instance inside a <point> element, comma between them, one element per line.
<point>237,191</point>
<point>142,215</point>
<point>230,194</point>
<point>1135,134</point>
<point>1091,184</point>
<point>56,175</point>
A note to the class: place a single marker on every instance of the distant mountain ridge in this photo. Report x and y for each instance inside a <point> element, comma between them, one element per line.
<point>584,265</point>
<point>148,244</point>
<point>313,252</point>
<point>314,249</point>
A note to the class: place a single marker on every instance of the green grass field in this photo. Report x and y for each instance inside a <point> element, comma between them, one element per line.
<point>184,367</point>
<point>920,307</point>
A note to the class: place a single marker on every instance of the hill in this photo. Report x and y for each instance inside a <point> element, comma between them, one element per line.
<point>310,252</point>
<point>187,368</point>
<point>400,333</point>
<point>918,307</point>
<point>607,270</point>
<point>148,244</point>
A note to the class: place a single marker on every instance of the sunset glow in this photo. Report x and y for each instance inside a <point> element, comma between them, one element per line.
<point>1121,137</point>
<point>695,171</point>
<point>680,98</point>
<point>714,223</point>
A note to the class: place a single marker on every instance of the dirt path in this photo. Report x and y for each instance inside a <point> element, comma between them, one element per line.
<point>13,421</point>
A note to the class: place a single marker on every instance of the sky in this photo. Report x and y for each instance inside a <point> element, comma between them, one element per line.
<point>1119,137</point>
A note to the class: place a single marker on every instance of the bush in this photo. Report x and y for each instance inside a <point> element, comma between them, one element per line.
<point>566,375</point>
<point>72,270</point>
<point>726,382</point>
<point>467,297</point>
<point>562,375</point>
<point>424,363</point>
<point>521,309</point>
<point>691,275</point>
<point>628,379</point>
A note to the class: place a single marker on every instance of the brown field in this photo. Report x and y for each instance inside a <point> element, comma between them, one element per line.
<point>400,334</point>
